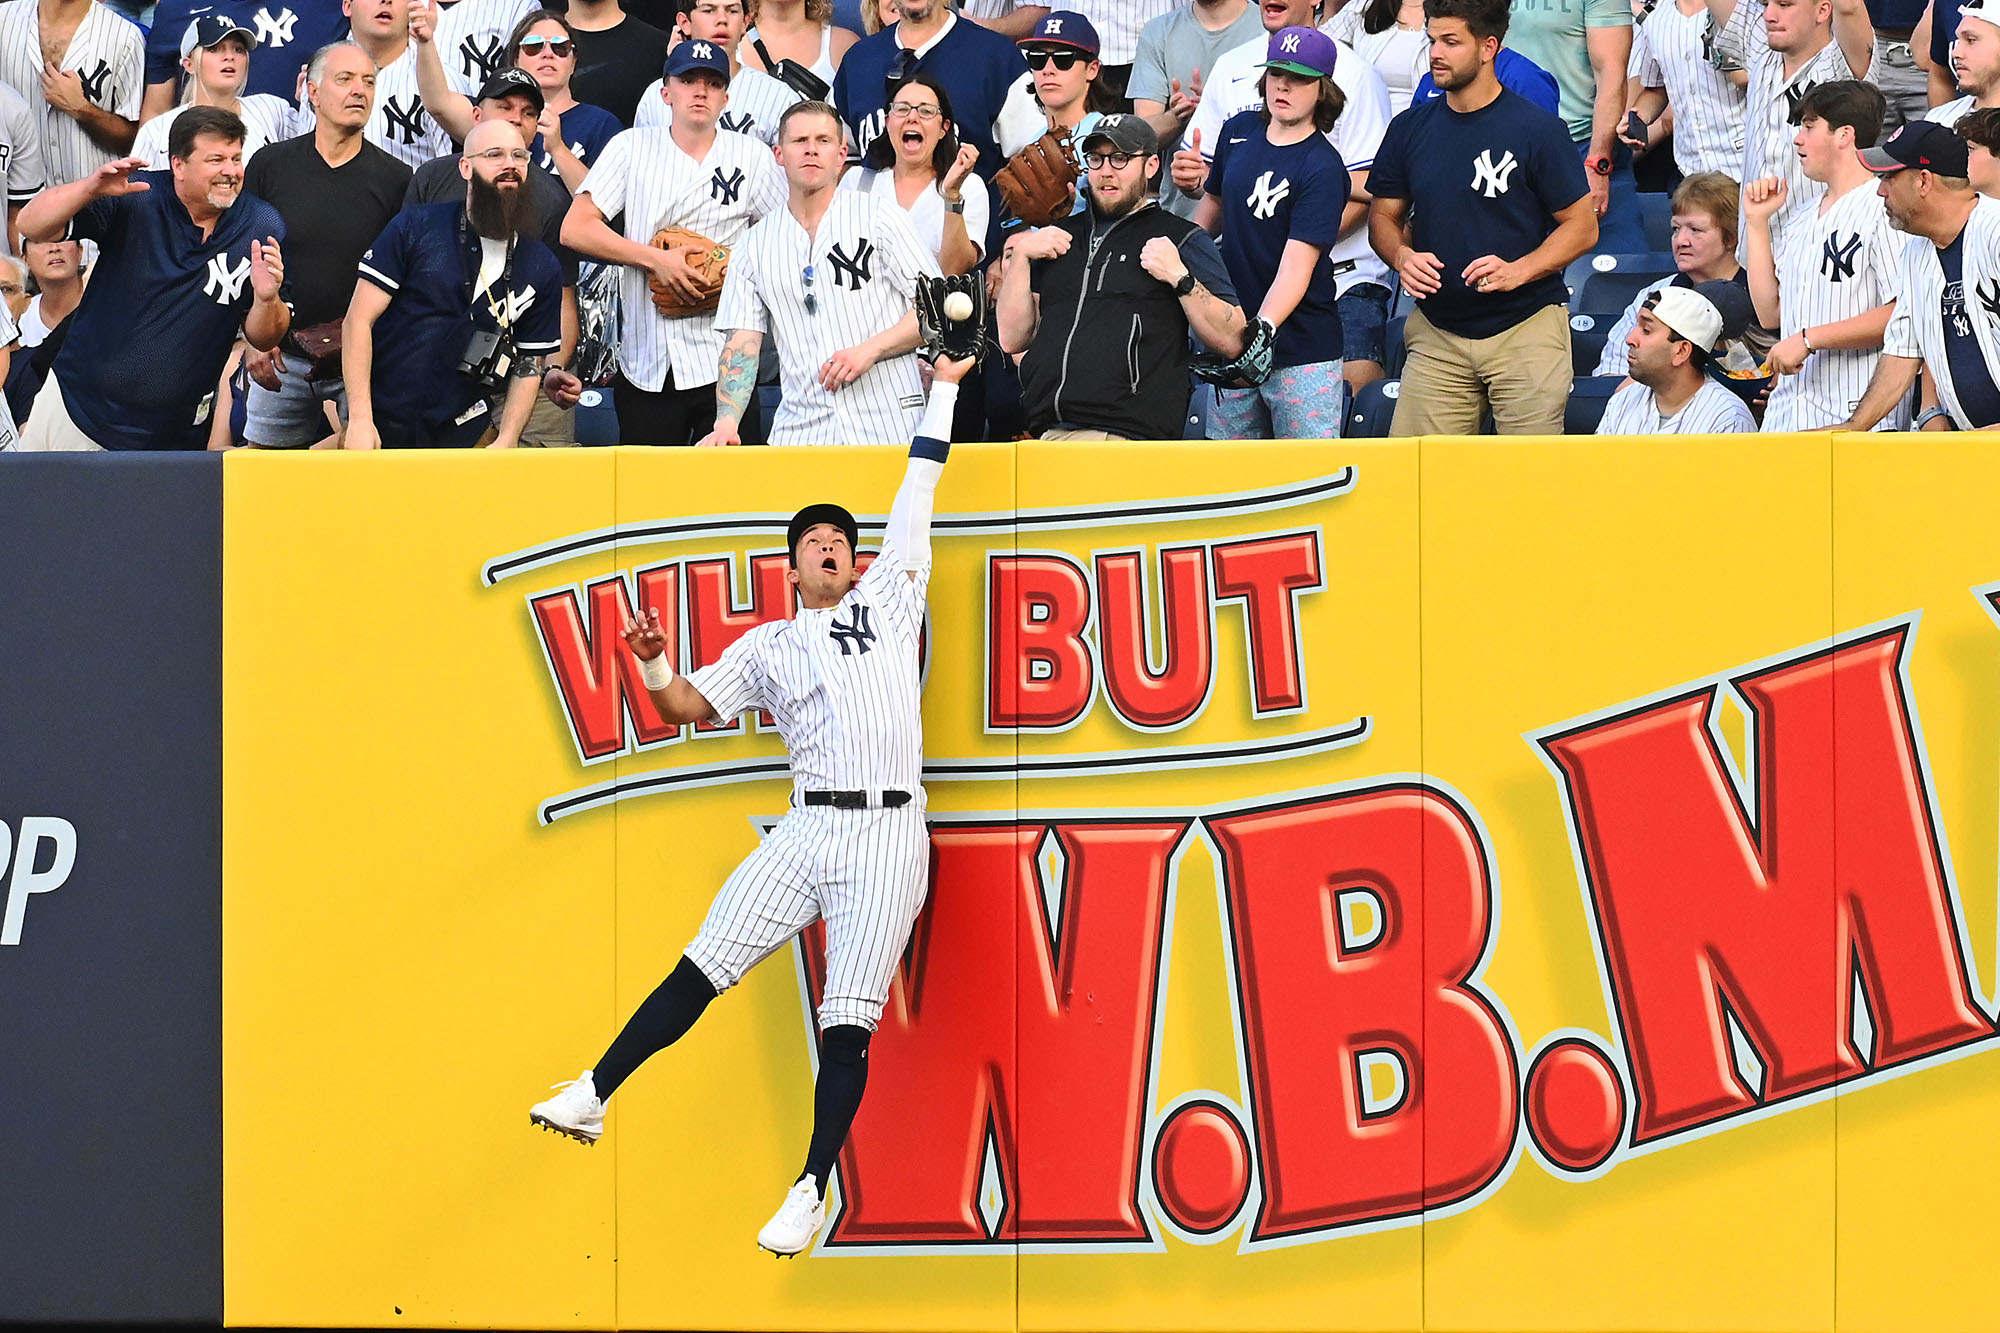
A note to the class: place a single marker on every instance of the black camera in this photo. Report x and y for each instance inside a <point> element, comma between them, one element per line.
<point>487,358</point>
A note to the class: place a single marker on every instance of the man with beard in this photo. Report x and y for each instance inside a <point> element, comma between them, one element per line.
<point>182,268</point>
<point>1114,366</point>
<point>1975,62</point>
<point>1678,336</point>
<point>462,304</point>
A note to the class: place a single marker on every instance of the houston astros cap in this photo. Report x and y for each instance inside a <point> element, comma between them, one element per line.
<point>512,82</point>
<point>1921,144</point>
<point>812,516</point>
<point>1127,134</point>
<point>1063,27</point>
<point>1306,51</point>
<point>210,29</point>
<point>692,55</point>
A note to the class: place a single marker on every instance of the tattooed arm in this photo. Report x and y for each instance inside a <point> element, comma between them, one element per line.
<point>736,380</point>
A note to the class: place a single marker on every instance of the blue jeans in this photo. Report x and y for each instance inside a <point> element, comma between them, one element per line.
<point>1621,231</point>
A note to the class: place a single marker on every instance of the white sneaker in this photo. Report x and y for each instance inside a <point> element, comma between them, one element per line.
<point>798,1220</point>
<point>575,1110</point>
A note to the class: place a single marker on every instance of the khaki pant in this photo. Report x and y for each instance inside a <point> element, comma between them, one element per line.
<point>1079,433</point>
<point>49,428</point>
<point>1522,374</point>
<point>549,426</point>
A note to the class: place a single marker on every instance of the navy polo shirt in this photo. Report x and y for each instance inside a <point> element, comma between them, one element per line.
<point>162,310</point>
<point>287,33</point>
<point>427,259</point>
<point>1485,182</point>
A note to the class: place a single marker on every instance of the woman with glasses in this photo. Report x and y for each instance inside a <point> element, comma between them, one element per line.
<point>572,132</point>
<point>801,30</point>
<point>919,164</point>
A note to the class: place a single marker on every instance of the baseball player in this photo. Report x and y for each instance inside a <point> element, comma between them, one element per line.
<point>1669,350</point>
<point>841,679</point>
<point>1830,287</point>
<point>757,101</point>
<point>215,52</point>
<point>693,175</point>
<point>832,276</point>
<point>81,68</point>
<point>1670,60</point>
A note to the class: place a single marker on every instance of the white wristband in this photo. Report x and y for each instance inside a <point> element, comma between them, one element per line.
<point>658,672</point>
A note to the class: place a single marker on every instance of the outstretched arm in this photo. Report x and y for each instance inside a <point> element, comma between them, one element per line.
<point>909,528</point>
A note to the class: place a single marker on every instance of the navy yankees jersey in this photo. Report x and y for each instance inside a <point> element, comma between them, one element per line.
<point>1272,195</point>
<point>146,346</point>
<point>287,32</point>
<point>427,260</point>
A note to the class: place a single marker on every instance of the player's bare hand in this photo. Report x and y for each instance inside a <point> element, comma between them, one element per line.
<point>1162,258</point>
<point>961,167</point>
<point>726,434</point>
<point>677,275</point>
<point>1763,198</point>
<point>63,89</point>
<point>846,366</point>
<point>264,367</point>
<point>267,269</point>
<point>1189,171</point>
<point>423,20</point>
<point>360,435</point>
<point>645,637</point>
<point>1041,243</point>
<point>1422,272</point>
<point>1788,357</point>
<point>1491,273</point>
<point>563,389</point>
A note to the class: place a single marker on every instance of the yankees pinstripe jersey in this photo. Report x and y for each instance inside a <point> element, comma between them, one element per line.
<point>1767,142</point>
<point>1952,112</point>
<point>1231,87</point>
<point>1833,265</point>
<point>472,39</point>
<point>399,125</point>
<point>820,294</point>
<point>646,176</point>
<point>756,103</point>
<point>1668,52</point>
<point>1713,410</point>
<point>20,148</point>
<point>108,56</point>
<point>1118,23</point>
<point>266,120</point>
<point>1927,300</point>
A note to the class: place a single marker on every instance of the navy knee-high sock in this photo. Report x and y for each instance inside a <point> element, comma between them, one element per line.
<point>843,1077</point>
<point>657,1024</point>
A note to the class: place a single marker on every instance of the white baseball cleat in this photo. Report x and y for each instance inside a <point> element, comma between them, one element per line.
<point>798,1220</point>
<point>575,1110</point>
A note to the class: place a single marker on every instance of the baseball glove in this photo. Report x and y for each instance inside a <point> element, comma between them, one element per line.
<point>1039,182</point>
<point>1249,367</point>
<point>710,261</point>
<point>952,339</point>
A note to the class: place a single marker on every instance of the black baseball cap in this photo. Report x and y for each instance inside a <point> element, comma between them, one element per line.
<point>1126,133</point>
<point>811,517</point>
<point>1921,144</point>
<point>513,82</point>
<point>211,30</point>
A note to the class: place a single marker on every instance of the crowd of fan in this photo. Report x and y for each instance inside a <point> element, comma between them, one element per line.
<point>367,223</point>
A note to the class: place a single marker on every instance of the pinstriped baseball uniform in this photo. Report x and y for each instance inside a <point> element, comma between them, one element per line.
<point>109,58</point>
<point>1767,142</point>
<point>20,148</point>
<point>860,272</point>
<point>646,176</point>
<point>1917,328</point>
<point>1708,109</point>
<point>266,120</point>
<point>756,103</point>
<point>1713,410</point>
<point>399,125</point>
<point>842,683</point>
<point>472,38</point>
<point>1833,266</point>
<point>1952,112</point>
<point>1118,23</point>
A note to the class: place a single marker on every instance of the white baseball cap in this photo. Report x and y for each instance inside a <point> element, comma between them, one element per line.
<point>1981,10</point>
<point>1688,313</point>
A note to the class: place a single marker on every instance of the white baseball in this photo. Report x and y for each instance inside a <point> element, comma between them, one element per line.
<point>958,306</point>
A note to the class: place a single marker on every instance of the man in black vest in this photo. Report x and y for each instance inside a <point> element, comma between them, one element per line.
<point>1114,366</point>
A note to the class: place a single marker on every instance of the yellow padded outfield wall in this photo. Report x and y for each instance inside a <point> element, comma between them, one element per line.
<point>1444,884</point>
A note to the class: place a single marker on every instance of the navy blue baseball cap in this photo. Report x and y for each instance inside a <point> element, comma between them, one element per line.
<point>210,29</point>
<point>811,517</point>
<point>1921,144</point>
<point>692,55</point>
<point>1063,27</point>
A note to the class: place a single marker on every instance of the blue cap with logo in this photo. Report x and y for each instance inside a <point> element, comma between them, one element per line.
<point>1063,27</point>
<point>1306,51</point>
<point>692,55</point>
<point>210,29</point>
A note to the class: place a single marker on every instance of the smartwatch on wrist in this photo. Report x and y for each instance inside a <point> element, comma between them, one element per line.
<point>1185,285</point>
<point>955,205</point>
<point>1600,163</point>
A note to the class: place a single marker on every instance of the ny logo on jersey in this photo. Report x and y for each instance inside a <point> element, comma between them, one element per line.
<point>517,304</point>
<point>742,123</point>
<point>1989,297</point>
<point>1836,261</point>
<point>1289,43</point>
<point>726,188</point>
<point>273,31</point>
<point>855,270</point>
<point>93,81</point>
<point>404,116</point>
<point>1265,197</point>
<point>479,55</point>
<point>225,283</point>
<point>854,638</point>
<point>1491,176</point>
<point>1793,96</point>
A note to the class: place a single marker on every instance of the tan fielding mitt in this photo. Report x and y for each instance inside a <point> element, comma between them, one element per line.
<point>709,260</point>
<point>1039,182</point>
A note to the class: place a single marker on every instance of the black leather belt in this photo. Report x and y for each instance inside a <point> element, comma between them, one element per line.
<point>854,800</point>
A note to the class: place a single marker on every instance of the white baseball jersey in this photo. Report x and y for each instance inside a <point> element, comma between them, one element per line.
<point>1667,52</point>
<point>646,176</point>
<point>399,125</point>
<point>1952,112</point>
<point>1713,410</point>
<point>1833,265</point>
<point>108,57</point>
<point>1231,87</point>
<point>823,293</point>
<point>472,38</point>
<point>756,103</point>
<point>927,214</point>
<point>1767,142</point>
<point>1917,328</point>
<point>1118,23</point>
<point>266,120</point>
<point>20,148</point>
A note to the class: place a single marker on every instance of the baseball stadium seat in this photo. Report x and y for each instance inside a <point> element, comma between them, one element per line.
<point>1587,399</point>
<point>1371,410</point>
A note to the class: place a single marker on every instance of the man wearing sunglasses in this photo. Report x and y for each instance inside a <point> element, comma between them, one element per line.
<point>1102,302</point>
<point>1058,90</point>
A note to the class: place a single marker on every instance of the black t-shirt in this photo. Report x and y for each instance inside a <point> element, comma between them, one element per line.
<point>438,182</point>
<point>616,65</point>
<point>332,214</point>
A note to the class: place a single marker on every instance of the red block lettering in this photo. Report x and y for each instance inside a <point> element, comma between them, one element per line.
<point>1156,700</point>
<point>716,618</point>
<point>1839,876</point>
<point>1039,672</point>
<point>1317,999</point>
<point>1269,574</point>
<point>595,673</point>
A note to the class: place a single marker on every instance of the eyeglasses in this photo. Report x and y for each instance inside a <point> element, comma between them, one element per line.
<point>921,110</point>
<point>812,302</point>
<point>900,67</point>
<point>1116,161</point>
<point>518,156</point>
<point>559,47</point>
<point>1064,60</point>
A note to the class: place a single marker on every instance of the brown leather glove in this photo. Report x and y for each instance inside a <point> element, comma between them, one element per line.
<point>1039,182</point>
<point>709,260</point>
